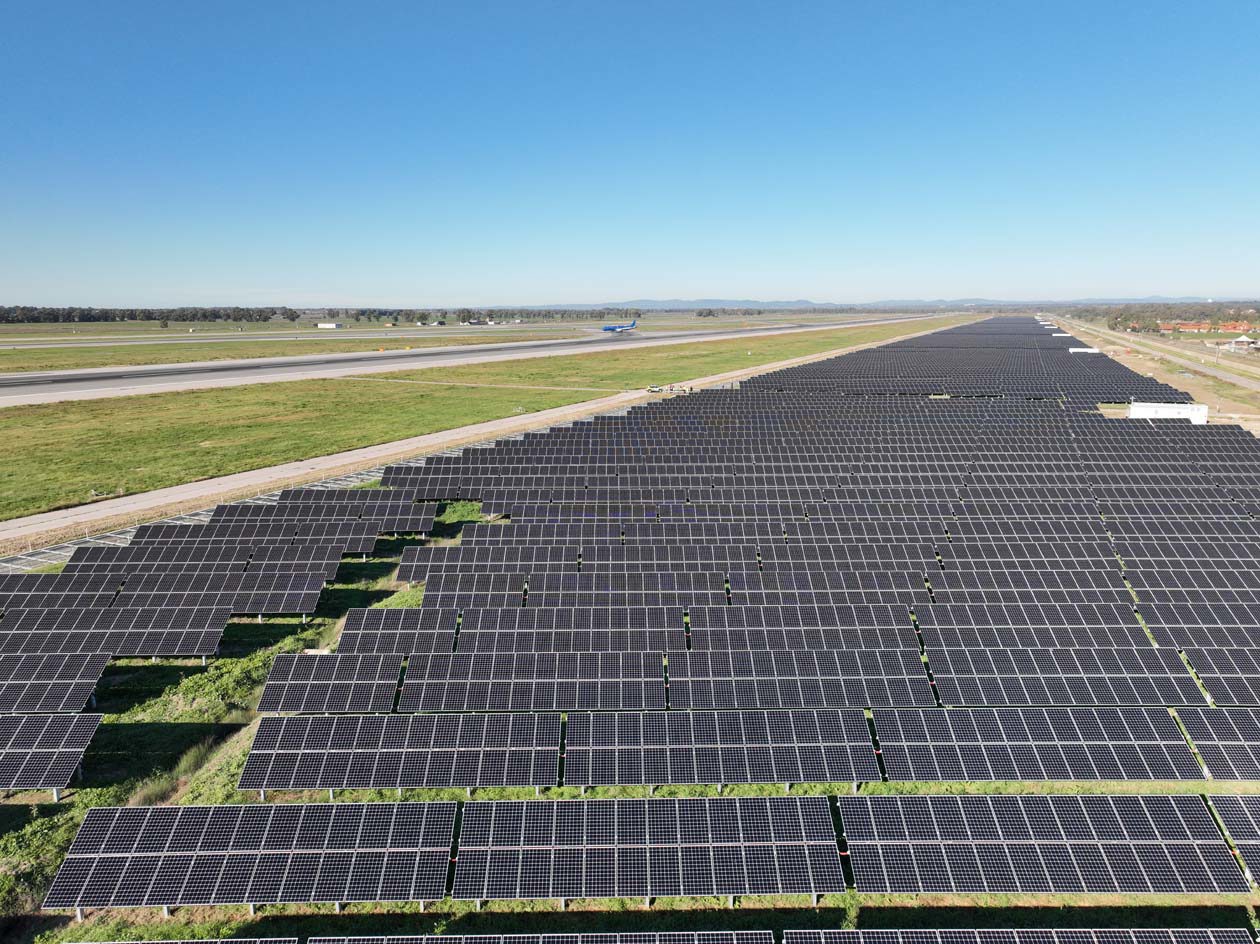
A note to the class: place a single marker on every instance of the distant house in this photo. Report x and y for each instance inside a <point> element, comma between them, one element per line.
<point>1194,327</point>
<point>1229,327</point>
<point>1241,343</point>
<point>1167,327</point>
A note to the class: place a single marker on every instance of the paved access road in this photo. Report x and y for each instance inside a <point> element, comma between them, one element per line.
<point>18,389</point>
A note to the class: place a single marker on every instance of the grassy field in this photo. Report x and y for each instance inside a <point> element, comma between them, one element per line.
<point>178,733</point>
<point>636,368</point>
<point>20,360</point>
<point>64,454</point>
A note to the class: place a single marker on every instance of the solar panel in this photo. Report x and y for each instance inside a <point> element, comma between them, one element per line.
<point>1033,744</point>
<point>1230,675</point>
<point>647,848</point>
<point>1136,676</point>
<point>42,751</point>
<point>544,681</point>
<point>1022,936</point>
<point>1127,844</point>
<point>235,940</point>
<point>49,682</point>
<point>354,537</point>
<point>250,593</point>
<point>212,855</point>
<point>375,751</point>
<point>797,679</point>
<point>1228,740</point>
<point>312,683</point>
<point>719,747</point>
<point>121,630</point>
<point>397,517</point>
<point>1241,816</point>
<point>630,937</point>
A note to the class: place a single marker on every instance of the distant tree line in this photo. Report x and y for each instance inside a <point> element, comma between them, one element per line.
<point>18,314</point>
<point>15,314</point>
<point>1147,316</point>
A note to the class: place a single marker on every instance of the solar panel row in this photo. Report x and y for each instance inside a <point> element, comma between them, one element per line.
<point>653,847</point>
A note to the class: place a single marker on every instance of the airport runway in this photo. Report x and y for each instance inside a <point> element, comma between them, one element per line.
<point>18,389</point>
<point>351,334</point>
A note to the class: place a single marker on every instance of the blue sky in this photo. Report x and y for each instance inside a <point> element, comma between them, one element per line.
<point>426,154</point>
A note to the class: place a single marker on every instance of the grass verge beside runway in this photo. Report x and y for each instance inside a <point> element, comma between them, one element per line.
<point>59,455</point>
<point>635,368</point>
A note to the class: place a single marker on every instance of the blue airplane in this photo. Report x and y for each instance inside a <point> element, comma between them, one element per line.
<point>619,328</point>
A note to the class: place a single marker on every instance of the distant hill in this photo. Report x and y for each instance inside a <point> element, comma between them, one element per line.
<point>687,304</point>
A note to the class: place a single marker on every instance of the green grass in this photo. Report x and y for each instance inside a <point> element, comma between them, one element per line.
<point>636,368</point>
<point>137,355</point>
<point>48,569</point>
<point>64,454</point>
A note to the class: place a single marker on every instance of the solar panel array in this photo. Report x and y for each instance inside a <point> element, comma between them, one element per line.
<point>633,937</point>
<point>647,848</point>
<point>1034,744</point>
<point>869,936</point>
<point>719,747</point>
<point>42,751</point>
<point>300,753</point>
<point>934,560</point>
<point>212,855</point>
<point>173,588</point>
<point>170,592</point>
<point>1037,844</point>
<point>1241,816</point>
<point>48,682</point>
<point>1023,936</point>
<point>223,940</point>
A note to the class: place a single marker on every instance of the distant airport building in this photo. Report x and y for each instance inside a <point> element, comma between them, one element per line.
<point>1185,327</point>
<point>330,324</point>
